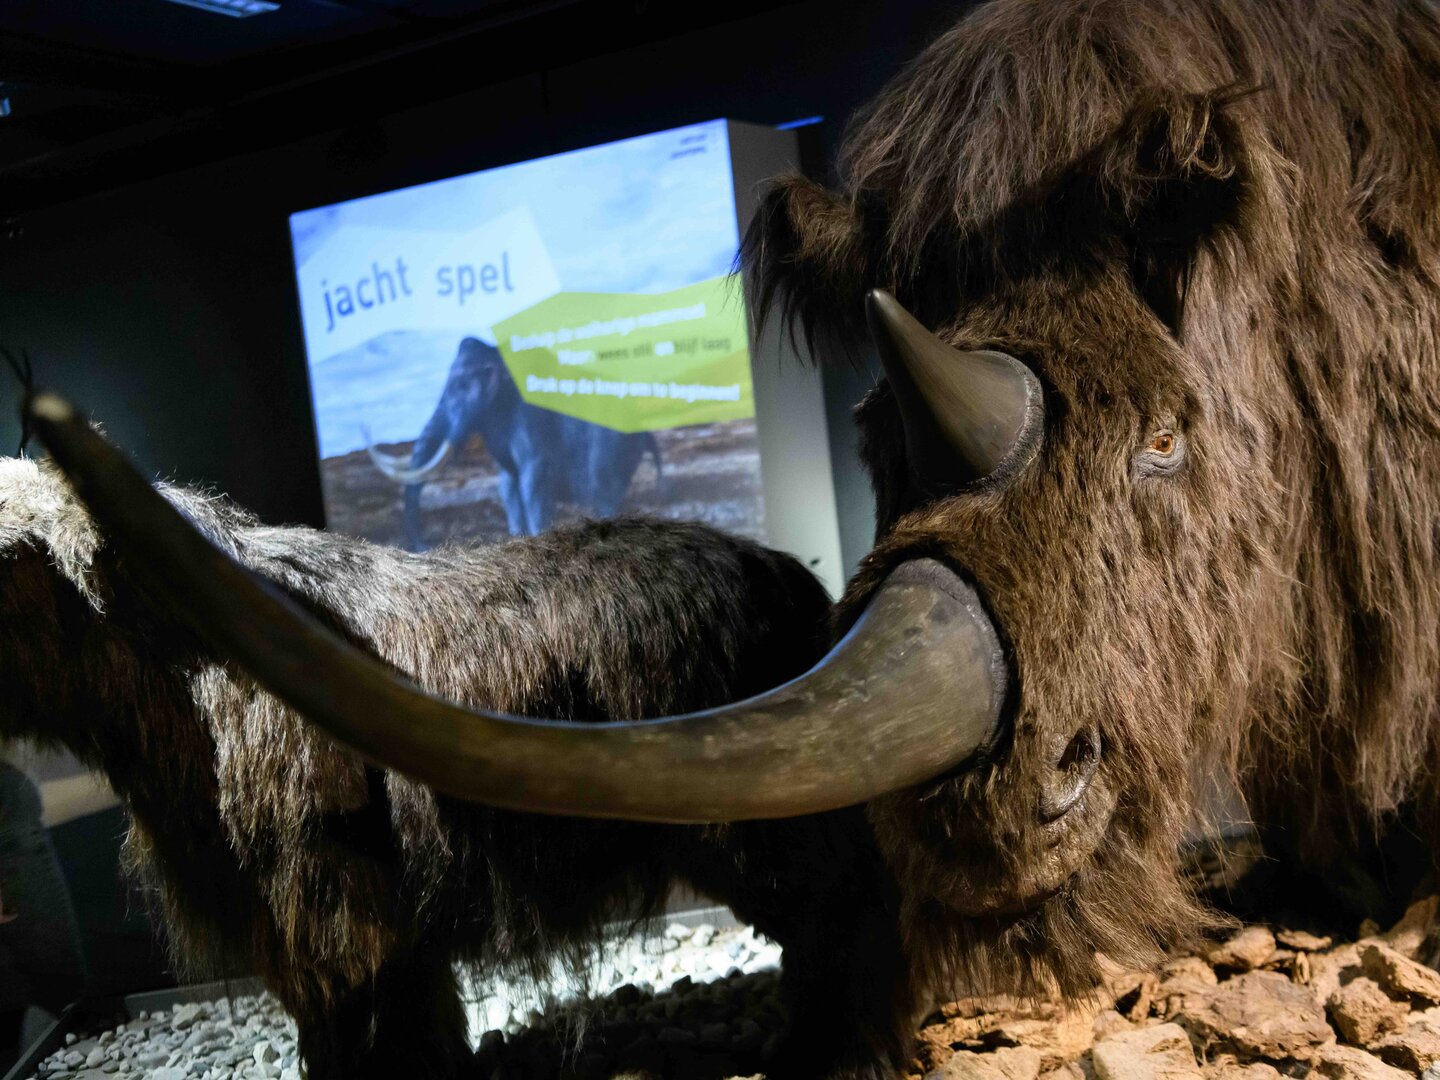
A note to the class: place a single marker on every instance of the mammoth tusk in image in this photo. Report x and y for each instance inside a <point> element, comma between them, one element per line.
<point>397,468</point>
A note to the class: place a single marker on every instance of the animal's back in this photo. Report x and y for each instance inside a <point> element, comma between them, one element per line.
<point>610,620</point>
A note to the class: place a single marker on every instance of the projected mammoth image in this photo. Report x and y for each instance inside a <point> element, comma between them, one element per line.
<point>541,457</point>
<point>561,339</point>
<point>488,464</point>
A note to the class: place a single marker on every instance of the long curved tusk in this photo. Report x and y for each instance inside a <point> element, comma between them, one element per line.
<point>913,690</point>
<point>969,416</point>
<point>396,467</point>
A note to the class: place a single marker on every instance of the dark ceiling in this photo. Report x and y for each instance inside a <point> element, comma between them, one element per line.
<point>102,93</point>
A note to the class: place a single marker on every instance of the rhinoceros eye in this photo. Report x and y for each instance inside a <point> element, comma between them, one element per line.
<point>1164,454</point>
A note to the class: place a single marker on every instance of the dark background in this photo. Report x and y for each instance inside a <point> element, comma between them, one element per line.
<point>146,267</point>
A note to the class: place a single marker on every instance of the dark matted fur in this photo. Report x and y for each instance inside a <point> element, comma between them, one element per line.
<point>1210,216</point>
<point>352,890</point>
<point>1220,217</point>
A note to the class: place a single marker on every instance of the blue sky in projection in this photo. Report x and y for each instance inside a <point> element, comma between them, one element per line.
<point>647,214</point>
<point>643,215</point>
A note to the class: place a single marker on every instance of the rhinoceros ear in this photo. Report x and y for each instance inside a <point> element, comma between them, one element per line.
<point>1177,172</point>
<point>804,260</point>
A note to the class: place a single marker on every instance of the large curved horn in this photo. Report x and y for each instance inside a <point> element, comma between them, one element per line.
<point>969,416</point>
<point>396,467</point>
<point>914,689</point>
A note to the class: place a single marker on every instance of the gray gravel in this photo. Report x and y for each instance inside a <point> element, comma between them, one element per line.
<point>650,963</point>
<point>657,1000</point>
<point>245,1038</point>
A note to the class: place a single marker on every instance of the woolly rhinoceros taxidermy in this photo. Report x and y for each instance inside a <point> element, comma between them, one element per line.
<point>352,889</point>
<point>1157,473</point>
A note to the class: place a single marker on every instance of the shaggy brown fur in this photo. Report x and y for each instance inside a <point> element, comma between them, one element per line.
<point>1216,218</point>
<point>1220,217</point>
<point>353,890</point>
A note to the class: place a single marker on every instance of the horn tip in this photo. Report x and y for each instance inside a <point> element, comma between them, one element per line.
<point>51,407</point>
<point>879,300</point>
<point>886,315</point>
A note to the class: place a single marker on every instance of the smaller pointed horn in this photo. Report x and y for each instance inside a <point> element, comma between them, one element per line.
<point>969,416</point>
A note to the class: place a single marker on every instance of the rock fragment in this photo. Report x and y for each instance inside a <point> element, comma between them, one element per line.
<point>1417,1048</point>
<point>1226,1067</point>
<point>1362,1011</point>
<point>1134,995</point>
<point>1415,1053</point>
<point>1057,1040</point>
<point>1110,1022</point>
<point>1409,934</point>
<point>1006,1063</point>
<point>1329,970</point>
<point>977,1024</point>
<point>1302,941</point>
<point>185,1016</point>
<point>1350,1063</point>
<point>1189,968</point>
<point>1148,1053</point>
<point>1281,960</point>
<point>1400,975</point>
<point>1247,950</point>
<point>1257,1014</point>
<point>1180,981</point>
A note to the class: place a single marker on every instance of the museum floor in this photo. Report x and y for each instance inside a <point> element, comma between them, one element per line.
<point>1263,1003</point>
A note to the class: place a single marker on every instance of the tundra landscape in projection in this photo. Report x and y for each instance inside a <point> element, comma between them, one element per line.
<point>598,281</point>
<point>1157,464</point>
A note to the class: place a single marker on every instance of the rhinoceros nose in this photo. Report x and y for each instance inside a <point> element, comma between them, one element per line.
<point>1074,769</point>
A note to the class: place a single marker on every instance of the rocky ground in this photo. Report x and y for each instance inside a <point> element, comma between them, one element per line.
<point>245,1036</point>
<point>1265,1003</point>
<point>702,1005</point>
<point>699,994</point>
<point>648,967</point>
